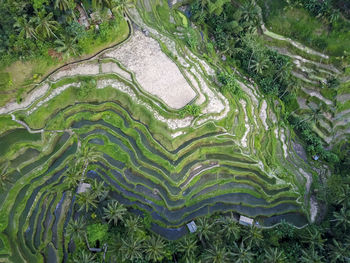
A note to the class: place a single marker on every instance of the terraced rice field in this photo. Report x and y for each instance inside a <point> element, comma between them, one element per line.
<point>312,69</point>
<point>235,156</point>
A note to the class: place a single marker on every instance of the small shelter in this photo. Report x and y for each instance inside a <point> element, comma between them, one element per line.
<point>192,226</point>
<point>83,187</point>
<point>243,220</point>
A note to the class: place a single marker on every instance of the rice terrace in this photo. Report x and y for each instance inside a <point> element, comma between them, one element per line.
<point>169,131</point>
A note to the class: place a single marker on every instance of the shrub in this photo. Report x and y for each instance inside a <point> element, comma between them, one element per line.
<point>96,232</point>
<point>192,110</point>
<point>229,83</point>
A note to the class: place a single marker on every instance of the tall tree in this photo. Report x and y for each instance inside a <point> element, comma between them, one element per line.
<point>67,45</point>
<point>99,190</point>
<point>45,24</point>
<point>311,256</point>
<point>64,5</point>
<point>253,236</point>
<point>120,6</point>
<point>259,64</point>
<point>313,238</point>
<point>204,229</point>
<point>87,201</point>
<point>134,226</point>
<point>131,249</point>
<point>342,218</point>
<point>274,255</point>
<point>84,256</point>
<point>76,229</point>
<point>251,12</point>
<point>188,247</point>
<point>25,27</point>
<point>339,251</point>
<point>73,175</point>
<point>114,212</point>
<point>216,254</point>
<point>229,228</point>
<point>86,156</point>
<point>242,254</point>
<point>101,3</point>
<point>155,249</point>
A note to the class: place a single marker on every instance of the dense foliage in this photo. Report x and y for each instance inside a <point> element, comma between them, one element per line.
<point>34,28</point>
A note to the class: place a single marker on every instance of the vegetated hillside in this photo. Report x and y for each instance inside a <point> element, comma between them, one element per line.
<point>203,118</point>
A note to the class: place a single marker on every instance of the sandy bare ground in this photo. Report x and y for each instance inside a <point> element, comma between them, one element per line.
<point>154,71</point>
<point>313,203</point>
<point>217,104</point>
<point>246,124</point>
<point>284,145</point>
<point>110,67</point>
<point>343,97</point>
<point>262,114</point>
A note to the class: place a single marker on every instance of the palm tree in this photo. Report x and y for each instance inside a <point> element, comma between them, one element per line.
<point>311,256</point>
<point>155,249</point>
<point>204,4</point>
<point>204,229</point>
<point>101,3</point>
<point>25,27</point>
<point>87,155</point>
<point>134,225</point>
<point>229,228</point>
<point>339,252</point>
<point>342,218</point>
<point>76,229</point>
<point>254,236</point>
<point>334,16</point>
<point>259,64</point>
<point>64,4</point>
<point>273,255</point>
<point>251,12</point>
<point>188,246</point>
<point>67,45</point>
<point>84,257</point>
<point>120,6</point>
<point>86,200</point>
<point>114,212</point>
<point>284,71</point>
<point>242,254</point>
<point>73,175</point>
<point>315,115</point>
<point>216,254</point>
<point>4,175</point>
<point>99,190</point>
<point>45,24</point>
<point>343,193</point>
<point>313,237</point>
<point>131,249</point>
<point>72,180</point>
<point>216,7</point>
